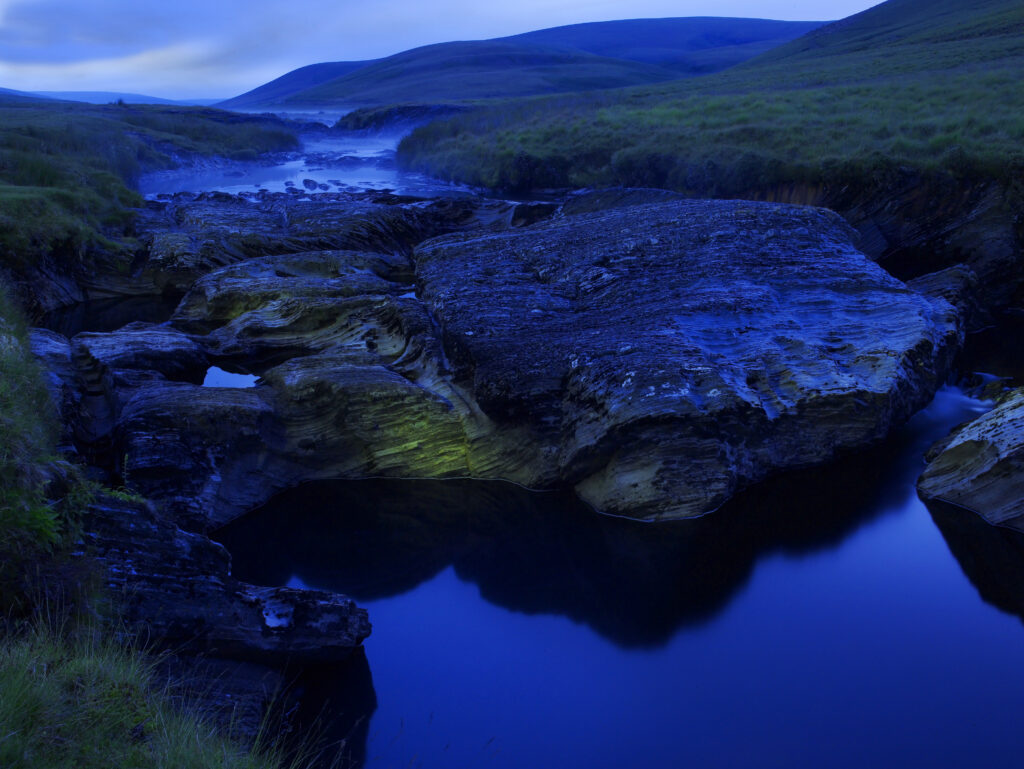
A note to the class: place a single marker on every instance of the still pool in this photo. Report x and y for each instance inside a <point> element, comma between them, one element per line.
<point>820,620</point>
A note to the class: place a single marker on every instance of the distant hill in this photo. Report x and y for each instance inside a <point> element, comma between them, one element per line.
<point>292,83</point>
<point>578,57</point>
<point>107,97</point>
<point>689,45</point>
<point>10,96</point>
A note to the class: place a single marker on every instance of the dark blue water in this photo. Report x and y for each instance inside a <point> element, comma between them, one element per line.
<point>821,620</point>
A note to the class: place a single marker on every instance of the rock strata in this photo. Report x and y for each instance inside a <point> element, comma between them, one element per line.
<point>658,358</point>
<point>669,355</point>
<point>175,589</point>
<point>981,465</point>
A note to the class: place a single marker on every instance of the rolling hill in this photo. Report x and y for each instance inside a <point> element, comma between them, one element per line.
<point>925,86</point>
<point>562,59</point>
<point>690,45</point>
<point>108,97</point>
<point>291,83</point>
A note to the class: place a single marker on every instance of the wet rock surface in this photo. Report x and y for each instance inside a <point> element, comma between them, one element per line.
<point>981,465</point>
<point>666,356</point>
<point>658,358</point>
<point>175,589</point>
<point>191,235</point>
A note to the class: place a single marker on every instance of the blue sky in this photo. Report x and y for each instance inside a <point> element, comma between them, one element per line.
<point>219,48</point>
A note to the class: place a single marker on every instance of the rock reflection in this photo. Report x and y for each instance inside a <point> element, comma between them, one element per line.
<point>336,703</point>
<point>635,583</point>
<point>991,557</point>
<point>105,315</point>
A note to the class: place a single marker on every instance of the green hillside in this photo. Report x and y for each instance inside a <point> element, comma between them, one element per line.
<point>931,86</point>
<point>578,57</point>
<point>476,70</point>
<point>291,83</point>
<point>691,45</point>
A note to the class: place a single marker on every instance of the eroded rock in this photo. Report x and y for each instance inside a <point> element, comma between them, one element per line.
<point>981,465</point>
<point>175,589</point>
<point>657,358</point>
<point>675,353</point>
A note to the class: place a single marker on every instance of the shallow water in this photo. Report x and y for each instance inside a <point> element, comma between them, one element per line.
<point>218,377</point>
<point>819,620</point>
<point>342,163</point>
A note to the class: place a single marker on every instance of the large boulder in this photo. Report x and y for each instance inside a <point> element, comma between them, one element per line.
<point>669,355</point>
<point>981,465</point>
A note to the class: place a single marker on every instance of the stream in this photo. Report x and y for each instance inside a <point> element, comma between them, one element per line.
<point>824,618</point>
<point>819,620</point>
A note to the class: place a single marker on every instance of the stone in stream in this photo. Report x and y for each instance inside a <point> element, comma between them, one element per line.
<point>657,358</point>
<point>981,465</point>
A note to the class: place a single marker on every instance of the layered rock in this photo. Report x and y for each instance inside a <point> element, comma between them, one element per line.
<point>669,355</point>
<point>175,589</point>
<point>981,465</point>
<point>189,236</point>
<point>657,358</point>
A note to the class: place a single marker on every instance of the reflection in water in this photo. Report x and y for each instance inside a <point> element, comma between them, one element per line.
<point>635,583</point>
<point>336,703</point>
<point>108,314</point>
<point>992,557</point>
<point>818,621</point>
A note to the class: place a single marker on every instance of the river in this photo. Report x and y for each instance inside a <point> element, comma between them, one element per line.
<point>825,618</point>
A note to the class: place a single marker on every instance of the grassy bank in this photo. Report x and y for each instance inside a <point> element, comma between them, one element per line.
<point>74,701</point>
<point>67,172</point>
<point>66,190</point>
<point>33,521</point>
<point>931,87</point>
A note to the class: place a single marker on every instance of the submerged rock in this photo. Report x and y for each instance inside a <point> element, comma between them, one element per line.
<point>981,465</point>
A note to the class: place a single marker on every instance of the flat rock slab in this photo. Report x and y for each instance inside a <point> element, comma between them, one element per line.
<point>981,466</point>
<point>668,355</point>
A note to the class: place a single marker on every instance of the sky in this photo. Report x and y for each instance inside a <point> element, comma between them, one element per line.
<point>221,48</point>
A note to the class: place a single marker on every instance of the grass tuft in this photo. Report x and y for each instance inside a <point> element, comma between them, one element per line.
<point>76,701</point>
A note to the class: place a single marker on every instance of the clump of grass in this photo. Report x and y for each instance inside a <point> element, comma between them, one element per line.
<point>28,434</point>
<point>76,701</point>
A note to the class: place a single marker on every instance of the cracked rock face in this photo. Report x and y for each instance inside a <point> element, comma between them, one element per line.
<point>658,358</point>
<point>981,465</point>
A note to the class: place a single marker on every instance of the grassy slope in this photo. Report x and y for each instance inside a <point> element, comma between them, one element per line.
<point>561,59</point>
<point>688,45</point>
<point>30,524</point>
<point>931,86</point>
<point>477,70</point>
<point>67,168</point>
<point>79,703</point>
<point>291,83</point>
